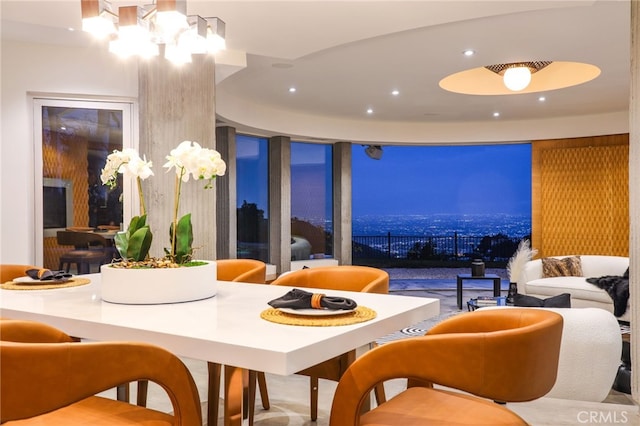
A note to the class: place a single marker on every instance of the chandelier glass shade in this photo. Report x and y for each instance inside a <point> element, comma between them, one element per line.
<point>147,31</point>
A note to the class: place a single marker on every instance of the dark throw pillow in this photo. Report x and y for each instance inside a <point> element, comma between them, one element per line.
<point>560,301</point>
<point>565,267</point>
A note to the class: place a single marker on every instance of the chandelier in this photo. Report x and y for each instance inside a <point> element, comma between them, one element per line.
<point>517,76</point>
<point>146,31</point>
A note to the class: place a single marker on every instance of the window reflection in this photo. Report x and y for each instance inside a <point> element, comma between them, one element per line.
<point>252,162</point>
<point>311,201</point>
<point>75,145</point>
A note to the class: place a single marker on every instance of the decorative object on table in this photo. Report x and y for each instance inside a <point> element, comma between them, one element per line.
<point>358,315</point>
<point>477,268</point>
<point>28,283</point>
<point>491,301</point>
<point>176,277</point>
<point>300,299</point>
<point>43,274</point>
<point>523,254</point>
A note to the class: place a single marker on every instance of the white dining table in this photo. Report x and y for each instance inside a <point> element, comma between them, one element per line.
<point>226,329</point>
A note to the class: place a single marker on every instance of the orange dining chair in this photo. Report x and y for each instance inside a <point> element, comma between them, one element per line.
<point>246,271</point>
<point>48,379</point>
<point>495,356</point>
<point>345,277</point>
<point>10,271</point>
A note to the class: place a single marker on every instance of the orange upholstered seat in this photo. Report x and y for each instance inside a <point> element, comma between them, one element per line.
<point>47,379</point>
<point>506,355</point>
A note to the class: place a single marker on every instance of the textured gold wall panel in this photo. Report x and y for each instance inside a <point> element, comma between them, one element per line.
<point>581,196</point>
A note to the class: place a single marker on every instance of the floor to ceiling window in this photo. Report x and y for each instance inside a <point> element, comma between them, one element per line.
<point>311,201</point>
<point>441,202</point>
<point>252,165</point>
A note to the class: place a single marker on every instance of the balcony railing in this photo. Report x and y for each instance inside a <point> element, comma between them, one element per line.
<point>496,248</point>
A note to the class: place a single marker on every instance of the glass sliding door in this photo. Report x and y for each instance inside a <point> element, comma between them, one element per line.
<point>72,141</point>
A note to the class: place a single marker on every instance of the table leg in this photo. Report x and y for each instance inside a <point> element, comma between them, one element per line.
<point>459,292</point>
<point>233,395</point>
<point>496,287</point>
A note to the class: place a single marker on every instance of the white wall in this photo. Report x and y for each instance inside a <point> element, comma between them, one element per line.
<point>51,69</point>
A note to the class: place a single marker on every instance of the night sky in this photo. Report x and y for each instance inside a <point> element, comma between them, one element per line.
<point>481,179</point>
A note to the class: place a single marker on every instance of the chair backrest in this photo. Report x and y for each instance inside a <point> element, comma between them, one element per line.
<point>11,271</point>
<point>80,239</point>
<point>521,349</point>
<point>506,355</point>
<point>43,370</point>
<point>344,277</point>
<point>241,270</point>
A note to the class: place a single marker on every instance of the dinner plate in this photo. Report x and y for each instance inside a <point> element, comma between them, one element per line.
<point>315,312</point>
<point>29,280</point>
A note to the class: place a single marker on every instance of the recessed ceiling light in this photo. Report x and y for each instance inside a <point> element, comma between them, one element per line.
<point>395,92</point>
<point>542,98</point>
<point>370,111</point>
<point>71,29</point>
<point>496,114</point>
<point>292,89</point>
<point>469,52</point>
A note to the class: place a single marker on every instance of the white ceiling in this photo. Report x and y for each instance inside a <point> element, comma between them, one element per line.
<point>346,56</point>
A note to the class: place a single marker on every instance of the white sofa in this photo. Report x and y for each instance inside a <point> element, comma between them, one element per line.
<point>583,294</point>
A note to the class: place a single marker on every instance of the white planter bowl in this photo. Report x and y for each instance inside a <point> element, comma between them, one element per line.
<point>156,286</point>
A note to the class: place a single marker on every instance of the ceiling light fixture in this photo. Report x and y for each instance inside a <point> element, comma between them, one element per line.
<point>141,31</point>
<point>517,76</point>
<point>373,151</point>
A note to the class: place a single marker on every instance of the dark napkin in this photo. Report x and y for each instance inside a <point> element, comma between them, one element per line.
<point>300,299</point>
<point>48,275</point>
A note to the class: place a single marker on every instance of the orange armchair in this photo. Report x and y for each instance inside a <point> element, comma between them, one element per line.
<point>348,278</point>
<point>9,272</point>
<point>47,379</point>
<point>508,355</point>
<point>242,270</point>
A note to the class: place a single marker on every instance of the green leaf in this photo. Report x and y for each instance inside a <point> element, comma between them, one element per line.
<point>121,240</point>
<point>139,244</point>
<point>184,239</point>
<point>136,223</point>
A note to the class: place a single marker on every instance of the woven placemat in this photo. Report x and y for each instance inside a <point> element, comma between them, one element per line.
<point>360,314</point>
<point>74,282</point>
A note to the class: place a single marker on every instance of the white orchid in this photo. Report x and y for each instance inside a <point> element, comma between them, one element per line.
<point>190,159</point>
<point>126,162</point>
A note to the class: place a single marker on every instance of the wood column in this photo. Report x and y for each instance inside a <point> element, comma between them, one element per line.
<point>634,199</point>
<point>342,219</point>
<point>280,203</point>
<point>226,196</point>
<point>177,103</point>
